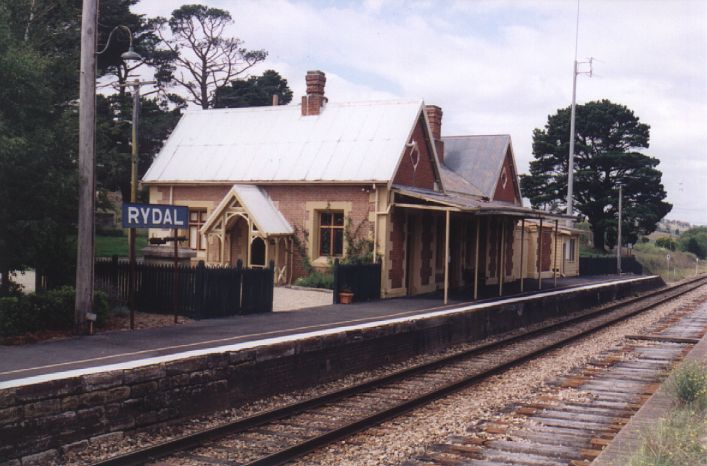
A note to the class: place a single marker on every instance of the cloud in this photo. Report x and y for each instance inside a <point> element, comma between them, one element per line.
<point>502,66</point>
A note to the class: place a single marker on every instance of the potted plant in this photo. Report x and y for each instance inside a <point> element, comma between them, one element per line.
<point>345,295</point>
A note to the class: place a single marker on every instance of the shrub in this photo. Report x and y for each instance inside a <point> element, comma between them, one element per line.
<point>688,384</point>
<point>666,242</point>
<point>316,280</point>
<point>10,316</point>
<point>50,310</point>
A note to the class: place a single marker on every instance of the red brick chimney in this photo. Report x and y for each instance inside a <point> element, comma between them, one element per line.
<point>313,102</point>
<point>434,117</point>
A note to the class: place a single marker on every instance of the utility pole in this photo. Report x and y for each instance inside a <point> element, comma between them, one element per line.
<point>618,243</point>
<point>87,163</point>
<point>575,72</point>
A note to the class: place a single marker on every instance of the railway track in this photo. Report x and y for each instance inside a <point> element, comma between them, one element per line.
<point>280,435</point>
<point>571,426</point>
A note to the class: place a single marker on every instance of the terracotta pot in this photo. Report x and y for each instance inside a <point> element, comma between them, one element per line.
<point>345,297</point>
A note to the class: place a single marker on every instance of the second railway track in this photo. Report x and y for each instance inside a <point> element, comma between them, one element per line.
<point>283,434</point>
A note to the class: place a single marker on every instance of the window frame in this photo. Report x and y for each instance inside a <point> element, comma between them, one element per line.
<point>198,223</point>
<point>332,227</point>
<point>571,250</point>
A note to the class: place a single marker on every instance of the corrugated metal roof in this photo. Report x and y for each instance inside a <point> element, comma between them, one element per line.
<point>470,203</point>
<point>260,209</point>
<point>360,141</point>
<point>477,159</point>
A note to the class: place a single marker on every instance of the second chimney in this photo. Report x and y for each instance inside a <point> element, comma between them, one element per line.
<point>313,102</point>
<point>434,117</point>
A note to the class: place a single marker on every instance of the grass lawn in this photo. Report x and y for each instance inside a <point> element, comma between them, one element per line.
<point>108,246</point>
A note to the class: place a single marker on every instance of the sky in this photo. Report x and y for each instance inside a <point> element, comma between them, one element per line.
<point>501,66</point>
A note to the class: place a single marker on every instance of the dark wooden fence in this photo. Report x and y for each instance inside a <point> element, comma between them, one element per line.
<point>202,292</point>
<point>607,265</point>
<point>363,280</point>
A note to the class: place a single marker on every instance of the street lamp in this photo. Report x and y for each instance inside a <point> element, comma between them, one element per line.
<point>131,55</point>
<point>85,253</point>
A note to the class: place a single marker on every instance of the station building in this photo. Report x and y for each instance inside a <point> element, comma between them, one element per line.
<point>302,183</point>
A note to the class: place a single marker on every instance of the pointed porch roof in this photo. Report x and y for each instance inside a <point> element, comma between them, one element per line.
<point>260,209</point>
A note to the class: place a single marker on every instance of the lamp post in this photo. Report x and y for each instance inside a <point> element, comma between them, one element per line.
<point>133,192</point>
<point>131,55</point>
<point>85,253</point>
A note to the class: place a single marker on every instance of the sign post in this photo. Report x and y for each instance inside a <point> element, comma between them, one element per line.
<point>154,216</point>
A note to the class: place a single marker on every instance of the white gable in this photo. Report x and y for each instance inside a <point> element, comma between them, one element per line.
<point>359,142</point>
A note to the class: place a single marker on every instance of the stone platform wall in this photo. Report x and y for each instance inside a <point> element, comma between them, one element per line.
<point>40,421</point>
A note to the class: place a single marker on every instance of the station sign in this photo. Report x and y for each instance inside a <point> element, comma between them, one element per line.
<point>155,216</point>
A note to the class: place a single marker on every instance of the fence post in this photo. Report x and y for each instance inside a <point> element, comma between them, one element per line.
<point>239,268</point>
<point>335,284</point>
<point>114,273</point>
<point>199,288</point>
<point>270,284</point>
<point>379,273</point>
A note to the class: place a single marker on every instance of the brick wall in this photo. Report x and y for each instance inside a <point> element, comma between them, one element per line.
<point>494,236</point>
<point>507,191</point>
<point>426,253</point>
<point>40,421</point>
<point>546,259</point>
<point>290,200</point>
<point>422,174</point>
<point>509,240</point>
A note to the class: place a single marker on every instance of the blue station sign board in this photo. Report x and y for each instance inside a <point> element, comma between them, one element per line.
<point>155,216</point>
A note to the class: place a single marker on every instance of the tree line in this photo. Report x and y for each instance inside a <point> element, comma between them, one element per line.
<point>190,57</point>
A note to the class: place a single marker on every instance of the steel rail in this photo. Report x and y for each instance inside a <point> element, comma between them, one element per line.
<point>189,441</point>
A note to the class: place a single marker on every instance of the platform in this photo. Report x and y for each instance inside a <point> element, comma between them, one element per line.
<point>58,393</point>
<point>79,355</point>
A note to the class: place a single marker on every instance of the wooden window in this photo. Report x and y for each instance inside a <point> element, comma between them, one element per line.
<point>197,218</point>
<point>570,246</point>
<point>331,233</point>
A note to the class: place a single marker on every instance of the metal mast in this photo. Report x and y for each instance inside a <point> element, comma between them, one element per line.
<point>575,72</point>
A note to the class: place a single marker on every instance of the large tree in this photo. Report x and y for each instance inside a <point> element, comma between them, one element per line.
<point>206,60</point>
<point>37,169</point>
<point>607,138</point>
<point>256,91</point>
